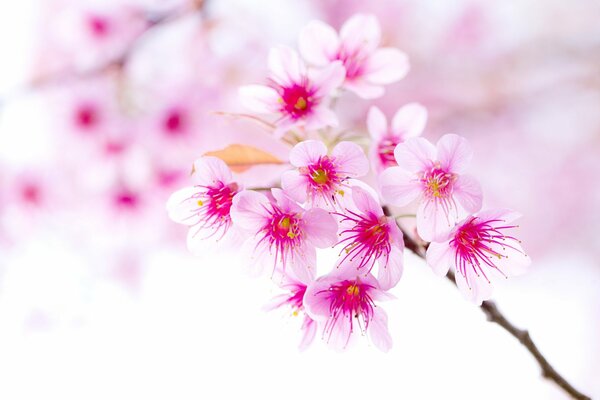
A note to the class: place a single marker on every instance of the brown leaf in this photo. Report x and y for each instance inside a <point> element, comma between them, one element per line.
<point>241,157</point>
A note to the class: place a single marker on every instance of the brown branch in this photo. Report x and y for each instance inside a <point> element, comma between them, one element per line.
<point>493,314</point>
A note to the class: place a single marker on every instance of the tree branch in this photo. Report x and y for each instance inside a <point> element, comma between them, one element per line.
<point>493,314</point>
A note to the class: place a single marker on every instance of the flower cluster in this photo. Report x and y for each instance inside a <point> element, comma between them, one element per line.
<point>324,199</point>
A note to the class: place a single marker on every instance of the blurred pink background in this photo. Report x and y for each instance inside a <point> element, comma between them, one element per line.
<point>104,107</point>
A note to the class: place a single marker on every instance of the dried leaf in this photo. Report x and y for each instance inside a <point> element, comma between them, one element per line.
<point>241,157</point>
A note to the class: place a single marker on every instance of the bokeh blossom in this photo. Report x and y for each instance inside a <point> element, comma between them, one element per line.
<point>297,96</point>
<point>368,67</point>
<point>409,121</point>
<point>320,177</point>
<point>434,176</point>
<point>344,304</point>
<point>481,250</point>
<point>282,234</point>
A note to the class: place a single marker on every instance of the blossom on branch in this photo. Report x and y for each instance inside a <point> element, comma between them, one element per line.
<point>481,249</point>
<point>433,176</point>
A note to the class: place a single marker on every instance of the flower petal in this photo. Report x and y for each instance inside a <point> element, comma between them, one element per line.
<point>350,159</point>
<point>317,302</point>
<point>360,32</point>
<point>364,89</point>
<point>320,118</point>
<point>318,43</point>
<point>399,187</point>
<point>295,185</point>
<point>307,152</point>
<point>434,221</point>
<point>285,66</point>
<point>309,326</point>
<point>320,228</point>
<point>260,99</point>
<point>468,193</point>
<point>415,155</point>
<point>364,202</point>
<point>454,153</point>
<point>386,65</point>
<point>409,121</point>
<point>326,80</point>
<point>182,207</point>
<point>440,257</point>
<point>378,331</point>
<point>209,170</point>
<point>377,123</point>
<point>249,210</point>
<point>389,275</point>
<point>477,289</point>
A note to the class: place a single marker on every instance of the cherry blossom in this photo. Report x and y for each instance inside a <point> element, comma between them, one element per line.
<point>369,237</point>
<point>434,176</point>
<point>481,249</point>
<point>298,97</point>
<point>367,67</point>
<point>206,206</point>
<point>319,177</point>
<point>282,234</point>
<point>345,303</point>
<point>409,121</point>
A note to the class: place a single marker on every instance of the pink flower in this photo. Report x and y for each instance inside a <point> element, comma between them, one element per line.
<point>368,236</point>
<point>206,206</point>
<point>283,234</point>
<point>319,177</point>
<point>344,301</point>
<point>294,300</point>
<point>434,176</point>
<point>481,250</point>
<point>409,121</point>
<point>297,96</point>
<point>368,68</point>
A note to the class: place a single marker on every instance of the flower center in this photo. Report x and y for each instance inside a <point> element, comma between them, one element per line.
<point>323,175</point>
<point>86,116</point>
<point>98,25</point>
<point>350,299</point>
<point>385,150</point>
<point>353,61</point>
<point>368,238</point>
<point>479,243</point>
<point>296,101</point>
<point>174,122</point>
<point>438,183</point>
<point>213,206</point>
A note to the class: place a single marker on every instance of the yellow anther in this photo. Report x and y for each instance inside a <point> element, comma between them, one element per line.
<point>285,223</point>
<point>300,104</point>
<point>200,203</point>
<point>291,235</point>
<point>320,176</point>
<point>353,290</point>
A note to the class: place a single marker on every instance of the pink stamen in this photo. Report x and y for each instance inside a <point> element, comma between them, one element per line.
<point>385,150</point>
<point>368,239</point>
<point>213,206</point>
<point>349,299</point>
<point>474,242</point>
<point>297,100</point>
<point>282,234</point>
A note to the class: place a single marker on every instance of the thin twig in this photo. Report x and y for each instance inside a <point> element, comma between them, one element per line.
<point>493,314</point>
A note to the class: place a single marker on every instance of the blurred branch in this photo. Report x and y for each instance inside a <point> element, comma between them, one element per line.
<point>493,314</point>
<point>116,63</point>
